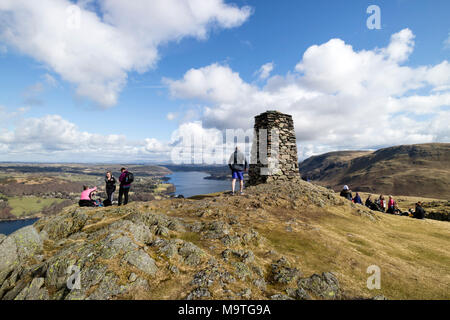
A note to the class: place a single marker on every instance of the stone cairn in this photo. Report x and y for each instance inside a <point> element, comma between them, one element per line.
<point>274,149</point>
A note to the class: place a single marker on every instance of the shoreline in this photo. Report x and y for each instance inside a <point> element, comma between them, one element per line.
<point>21,219</point>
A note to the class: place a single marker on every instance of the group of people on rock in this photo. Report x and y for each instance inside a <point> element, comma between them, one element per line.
<point>126,178</point>
<point>380,204</point>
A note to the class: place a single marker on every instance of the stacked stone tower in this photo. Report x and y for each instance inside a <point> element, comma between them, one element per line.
<point>274,149</point>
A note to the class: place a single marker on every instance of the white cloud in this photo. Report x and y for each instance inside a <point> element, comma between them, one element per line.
<point>447,42</point>
<point>265,70</point>
<point>96,54</point>
<point>52,138</point>
<point>340,98</point>
<point>50,80</point>
<point>401,46</point>
<point>172,116</point>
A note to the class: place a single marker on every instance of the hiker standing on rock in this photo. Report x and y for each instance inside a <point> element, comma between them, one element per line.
<point>238,165</point>
<point>126,179</point>
<point>110,187</point>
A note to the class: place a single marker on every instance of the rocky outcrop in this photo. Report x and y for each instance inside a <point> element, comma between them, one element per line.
<point>168,249</point>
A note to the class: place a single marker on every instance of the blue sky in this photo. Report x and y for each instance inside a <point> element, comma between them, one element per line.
<point>241,36</point>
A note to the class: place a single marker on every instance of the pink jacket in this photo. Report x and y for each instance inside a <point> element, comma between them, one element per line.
<point>391,203</point>
<point>85,194</point>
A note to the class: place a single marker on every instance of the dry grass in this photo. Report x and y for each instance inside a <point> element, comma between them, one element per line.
<point>413,255</point>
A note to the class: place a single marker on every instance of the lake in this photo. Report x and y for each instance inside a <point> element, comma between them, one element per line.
<point>193,183</point>
<point>8,227</point>
<point>187,184</point>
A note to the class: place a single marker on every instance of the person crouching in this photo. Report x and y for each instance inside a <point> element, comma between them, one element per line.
<point>86,197</point>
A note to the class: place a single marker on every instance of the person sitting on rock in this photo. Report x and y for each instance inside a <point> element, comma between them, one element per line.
<point>420,212</point>
<point>86,197</point>
<point>357,199</point>
<point>381,203</point>
<point>347,193</point>
<point>369,203</point>
<point>238,165</point>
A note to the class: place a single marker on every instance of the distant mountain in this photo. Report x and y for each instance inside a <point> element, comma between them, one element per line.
<point>409,170</point>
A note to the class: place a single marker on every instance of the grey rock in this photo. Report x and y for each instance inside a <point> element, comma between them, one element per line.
<point>298,294</point>
<point>111,246</point>
<point>132,277</point>
<point>260,284</point>
<point>107,289</point>
<point>141,260</point>
<point>199,293</point>
<point>280,297</point>
<point>246,294</point>
<point>8,252</point>
<point>325,286</point>
<point>283,273</point>
<point>174,269</point>
<point>62,226</point>
<point>241,270</point>
<point>28,242</point>
<point>191,254</point>
<point>229,240</point>
<point>216,230</point>
<point>34,291</point>
<point>140,232</point>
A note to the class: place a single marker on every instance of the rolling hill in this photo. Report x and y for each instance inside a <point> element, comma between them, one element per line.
<point>409,170</point>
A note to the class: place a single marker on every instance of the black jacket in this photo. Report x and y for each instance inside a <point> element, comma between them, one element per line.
<point>347,194</point>
<point>110,184</point>
<point>420,213</point>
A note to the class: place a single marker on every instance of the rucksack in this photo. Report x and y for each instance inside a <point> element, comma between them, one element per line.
<point>237,166</point>
<point>129,178</point>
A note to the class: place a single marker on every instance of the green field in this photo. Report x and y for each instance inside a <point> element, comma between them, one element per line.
<point>162,187</point>
<point>23,206</point>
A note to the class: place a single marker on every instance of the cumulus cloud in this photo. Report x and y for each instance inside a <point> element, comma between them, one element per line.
<point>265,70</point>
<point>96,44</point>
<point>340,98</point>
<point>54,138</point>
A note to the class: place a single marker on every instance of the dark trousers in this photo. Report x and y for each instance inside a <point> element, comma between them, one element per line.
<point>123,192</point>
<point>87,203</point>
<point>110,194</point>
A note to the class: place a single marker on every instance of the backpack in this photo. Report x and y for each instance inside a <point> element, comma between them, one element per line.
<point>129,178</point>
<point>237,166</point>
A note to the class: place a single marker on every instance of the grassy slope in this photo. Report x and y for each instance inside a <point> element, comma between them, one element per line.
<point>412,254</point>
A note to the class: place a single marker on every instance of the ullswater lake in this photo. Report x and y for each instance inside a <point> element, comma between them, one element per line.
<point>193,183</point>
